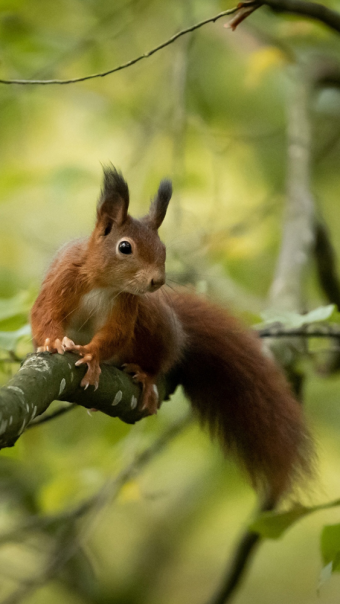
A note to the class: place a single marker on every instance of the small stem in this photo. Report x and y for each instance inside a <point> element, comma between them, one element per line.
<point>145,55</point>
<point>311,10</point>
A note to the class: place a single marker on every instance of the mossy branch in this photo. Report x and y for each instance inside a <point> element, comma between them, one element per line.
<point>46,377</point>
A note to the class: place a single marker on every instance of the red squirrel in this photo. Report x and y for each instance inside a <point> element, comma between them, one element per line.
<point>102,299</point>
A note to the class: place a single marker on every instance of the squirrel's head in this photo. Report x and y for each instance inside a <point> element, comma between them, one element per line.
<point>125,253</point>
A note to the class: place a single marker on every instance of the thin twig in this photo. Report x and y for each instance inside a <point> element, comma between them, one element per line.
<point>75,513</point>
<point>47,418</point>
<point>146,55</point>
<point>298,7</point>
<point>279,331</point>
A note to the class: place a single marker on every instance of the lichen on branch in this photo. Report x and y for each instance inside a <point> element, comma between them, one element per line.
<point>46,377</point>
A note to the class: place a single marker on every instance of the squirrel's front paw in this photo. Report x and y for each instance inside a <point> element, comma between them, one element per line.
<point>150,398</point>
<point>67,344</point>
<point>91,377</point>
<point>52,346</point>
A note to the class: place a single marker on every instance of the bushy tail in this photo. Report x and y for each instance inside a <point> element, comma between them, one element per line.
<point>241,395</point>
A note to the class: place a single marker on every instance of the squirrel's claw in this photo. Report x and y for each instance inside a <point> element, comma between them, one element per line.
<point>91,377</point>
<point>54,346</point>
<point>67,344</point>
<point>58,345</point>
<point>149,399</point>
<point>135,371</point>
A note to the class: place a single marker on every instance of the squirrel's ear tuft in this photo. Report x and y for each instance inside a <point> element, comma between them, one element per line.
<point>159,205</point>
<point>113,203</point>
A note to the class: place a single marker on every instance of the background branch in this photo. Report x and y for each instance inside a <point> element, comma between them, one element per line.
<point>145,55</point>
<point>326,263</point>
<point>245,549</point>
<point>47,418</point>
<point>310,10</point>
<point>306,331</point>
<point>287,286</point>
<point>298,232</point>
<point>93,505</point>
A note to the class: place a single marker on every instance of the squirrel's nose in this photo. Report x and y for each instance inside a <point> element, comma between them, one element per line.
<point>156,283</point>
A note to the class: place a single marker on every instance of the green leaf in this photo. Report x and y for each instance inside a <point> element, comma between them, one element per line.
<point>330,545</point>
<point>13,323</point>
<point>293,320</point>
<point>325,574</point>
<point>9,339</point>
<point>272,525</point>
<point>335,317</point>
<point>322,313</point>
<point>287,318</point>
<point>330,551</point>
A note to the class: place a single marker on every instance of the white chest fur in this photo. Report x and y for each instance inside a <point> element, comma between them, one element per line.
<point>91,315</point>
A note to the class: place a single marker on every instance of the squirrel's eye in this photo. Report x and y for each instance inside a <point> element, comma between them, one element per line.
<point>125,247</point>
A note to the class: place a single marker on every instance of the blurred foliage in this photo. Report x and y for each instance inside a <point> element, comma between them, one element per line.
<point>210,112</point>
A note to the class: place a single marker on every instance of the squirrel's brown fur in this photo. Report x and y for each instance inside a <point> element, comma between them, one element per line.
<point>241,394</point>
<point>102,293</point>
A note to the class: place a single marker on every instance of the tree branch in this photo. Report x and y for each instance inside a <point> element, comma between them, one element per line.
<point>312,10</point>
<point>286,291</point>
<point>146,55</point>
<point>245,549</point>
<point>302,8</point>
<point>46,377</point>
<point>298,234</point>
<point>306,331</point>
<point>326,263</point>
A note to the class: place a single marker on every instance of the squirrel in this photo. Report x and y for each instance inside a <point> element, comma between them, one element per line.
<point>102,299</point>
